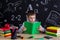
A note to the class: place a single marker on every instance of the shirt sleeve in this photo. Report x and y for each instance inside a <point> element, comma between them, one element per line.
<point>20,30</point>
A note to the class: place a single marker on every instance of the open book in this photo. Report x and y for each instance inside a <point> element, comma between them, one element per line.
<point>32,28</point>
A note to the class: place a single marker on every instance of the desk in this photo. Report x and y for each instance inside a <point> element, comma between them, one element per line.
<point>27,35</point>
<point>37,36</point>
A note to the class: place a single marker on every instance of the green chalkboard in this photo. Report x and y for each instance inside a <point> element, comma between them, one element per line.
<point>32,28</point>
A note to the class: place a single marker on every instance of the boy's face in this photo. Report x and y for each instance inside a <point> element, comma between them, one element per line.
<point>31,18</point>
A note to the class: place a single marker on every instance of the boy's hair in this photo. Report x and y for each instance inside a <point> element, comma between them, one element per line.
<point>31,12</point>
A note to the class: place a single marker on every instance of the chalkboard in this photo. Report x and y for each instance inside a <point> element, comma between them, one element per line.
<point>54,18</point>
<point>1,19</point>
<point>14,11</point>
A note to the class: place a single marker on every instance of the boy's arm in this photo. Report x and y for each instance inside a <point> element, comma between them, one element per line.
<point>41,29</point>
<point>20,30</point>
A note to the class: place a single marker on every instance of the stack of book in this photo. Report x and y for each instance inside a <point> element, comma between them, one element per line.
<point>5,31</point>
<point>53,31</point>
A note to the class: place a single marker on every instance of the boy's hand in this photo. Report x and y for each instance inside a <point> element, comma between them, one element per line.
<point>24,29</point>
<point>41,29</point>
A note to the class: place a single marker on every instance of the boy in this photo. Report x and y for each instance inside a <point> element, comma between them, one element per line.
<point>31,17</point>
